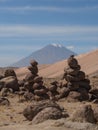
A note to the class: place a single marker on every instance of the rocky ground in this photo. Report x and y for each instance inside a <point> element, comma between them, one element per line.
<point>11,117</point>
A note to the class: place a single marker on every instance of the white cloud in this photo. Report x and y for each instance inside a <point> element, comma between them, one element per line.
<point>37,31</point>
<point>49,8</point>
<point>71,47</point>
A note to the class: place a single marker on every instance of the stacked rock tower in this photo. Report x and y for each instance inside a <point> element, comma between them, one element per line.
<point>31,75</point>
<point>34,82</point>
<point>76,79</point>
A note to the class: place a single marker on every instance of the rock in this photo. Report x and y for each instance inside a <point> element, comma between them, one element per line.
<point>74,96</point>
<point>4,92</point>
<point>84,94</point>
<point>21,83</point>
<point>64,92</point>
<point>96,112</point>
<point>29,77</point>
<point>72,62</point>
<point>1,85</point>
<point>92,97</point>
<point>54,83</point>
<point>36,86</point>
<point>38,79</point>
<point>84,113</point>
<point>52,88</point>
<point>33,62</point>
<point>10,82</point>
<point>40,92</point>
<point>33,69</point>
<point>1,77</point>
<point>42,111</point>
<point>80,76</point>
<point>28,96</point>
<point>71,71</point>
<point>80,95</point>
<point>9,72</point>
<point>28,86</point>
<point>4,101</point>
<point>73,86</point>
<point>46,114</point>
<point>94,91</point>
<point>84,84</point>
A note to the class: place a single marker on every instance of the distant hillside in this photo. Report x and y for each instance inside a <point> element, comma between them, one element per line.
<point>88,62</point>
<point>47,55</point>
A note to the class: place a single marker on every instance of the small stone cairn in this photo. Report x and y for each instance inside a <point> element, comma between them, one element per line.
<point>34,82</point>
<point>29,79</point>
<point>77,82</point>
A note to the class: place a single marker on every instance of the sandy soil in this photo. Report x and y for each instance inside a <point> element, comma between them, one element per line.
<point>11,117</point>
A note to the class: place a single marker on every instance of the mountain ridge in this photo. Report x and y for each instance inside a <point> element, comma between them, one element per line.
<point>46,55</point>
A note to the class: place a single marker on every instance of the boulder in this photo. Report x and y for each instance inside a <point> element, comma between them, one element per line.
<point>4,101</point>
<point>9,72</point>
<point>81,95</point>
<point>74,96</point>
<point>96,112</point>
<point>64,92</point>
<point>10,82</point>
<point>84,113</point>
<point>46,114</point>
<point>43,110</point>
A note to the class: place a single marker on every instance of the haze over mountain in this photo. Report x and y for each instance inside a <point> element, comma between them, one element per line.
<point>47,55</point>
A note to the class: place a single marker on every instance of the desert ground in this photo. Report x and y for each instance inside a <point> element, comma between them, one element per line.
<point>11,117</point>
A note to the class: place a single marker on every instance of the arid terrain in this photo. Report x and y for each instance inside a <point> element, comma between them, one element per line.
<point>11,117</point>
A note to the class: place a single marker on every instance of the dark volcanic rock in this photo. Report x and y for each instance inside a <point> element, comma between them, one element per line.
<point>4,101</point>
<point>44,110</point>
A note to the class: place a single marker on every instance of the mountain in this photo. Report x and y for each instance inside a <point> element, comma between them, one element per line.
<point>88,62</point>
<point>47,55</point>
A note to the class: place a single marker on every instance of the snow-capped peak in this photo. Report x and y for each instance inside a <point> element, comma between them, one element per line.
<point>57,45</point>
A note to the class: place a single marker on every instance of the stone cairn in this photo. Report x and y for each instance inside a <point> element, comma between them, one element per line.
<point>77,83</point>
<point>34,83</point>
<point>8,85</point>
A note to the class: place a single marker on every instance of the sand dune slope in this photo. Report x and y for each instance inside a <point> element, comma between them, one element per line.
<point>88,62</point>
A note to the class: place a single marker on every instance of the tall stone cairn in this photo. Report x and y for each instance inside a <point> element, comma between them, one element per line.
<point>76,79</point>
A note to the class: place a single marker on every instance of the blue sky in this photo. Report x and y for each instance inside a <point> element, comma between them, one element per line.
<point>28,25</point>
